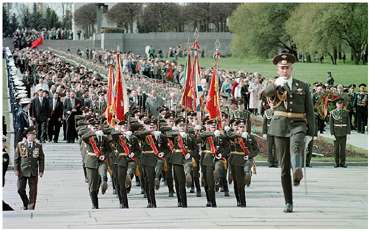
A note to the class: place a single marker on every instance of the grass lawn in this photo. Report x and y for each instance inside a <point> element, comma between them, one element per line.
<point>308,72</point>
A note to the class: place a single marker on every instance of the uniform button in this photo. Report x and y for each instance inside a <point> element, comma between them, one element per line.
<point>291,96</point>
<point>291,102</point>
<point>290,109</point>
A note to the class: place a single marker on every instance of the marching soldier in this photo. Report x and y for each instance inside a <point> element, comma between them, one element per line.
<point>94,139</point>
<point>241,152</point>
<point>181,144</point>
<point>194,130</point>
<point>125,146</point>
<point>271,152</point>
<point>361,108</point>
<point>29,164</point>
<point>340,127</point>
<point>292,120</point>
<point>153,143</point>
<point>212,147</point>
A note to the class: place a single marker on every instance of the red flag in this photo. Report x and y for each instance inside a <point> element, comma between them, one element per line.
<point>37,42</point>
<point>108,111</point>
<point>188,98</point>
<point>119,110</point>
<point>213,100</point>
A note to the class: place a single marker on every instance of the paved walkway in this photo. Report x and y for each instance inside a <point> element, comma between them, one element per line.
<point>355,139</point>
<point>337,198</point>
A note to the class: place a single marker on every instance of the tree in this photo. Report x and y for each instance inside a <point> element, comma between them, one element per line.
<point>13,24</point>
<point>85,16</point>
<point>160,17</point>
<point>26,19</point>
<point>6,22</point>
<point>219,12</point>
<point>330,28</point>
<point>259,29</point>
<point>125,14</point>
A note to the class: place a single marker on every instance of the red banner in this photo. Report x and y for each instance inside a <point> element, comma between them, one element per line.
<point>108,111</point>
<point>213,100</point>
<point>119,110</point>
<point>37,42</point>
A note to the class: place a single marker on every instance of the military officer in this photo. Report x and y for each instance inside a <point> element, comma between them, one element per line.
<point>361,108</point>
<point>153,143</point>
<point>94,139</point>
<point>241,151</point>
<point>123,151</point>
<point>292,120</point>
<point>29,164</point>
<point>340,127</point>
<point>194,130</point>
<point>181,146</point>
<point>212,144</point>
<point>271,152</point>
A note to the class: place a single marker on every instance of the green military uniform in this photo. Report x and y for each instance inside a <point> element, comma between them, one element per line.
<point>271,152</point>
<point>81,126</point>
<point>292,120</point>
<point>94,159</point>
<point>361,109</point>
<point>195,165</point>
<point>310,144</point>
<point>149,159</point>
<point>242,114</point>
<point>28,162</point>
<point>126,148</point>
<point>207,162</point>
<point>340,126</point>
<point>241,153</point>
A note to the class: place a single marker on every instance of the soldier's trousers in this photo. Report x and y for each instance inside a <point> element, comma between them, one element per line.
<point>148,176</point>
<point>309,152</point>
<point>290,153</point>
<point>209,184</point>
<point>179,175</point>
<point>220,175</point>
<point>93,179</point>
<point>103,171</point>
<point>238,174</point>
<point>340,150</point>
<point>93,182</point>
<point>30,202</point>
<point>159,168</point>
<point>121,186</point>
<point>114,176</point>
<point>169,177</point>
<point>271,151</point>
<point>361,114</point>
<point>196,175</point>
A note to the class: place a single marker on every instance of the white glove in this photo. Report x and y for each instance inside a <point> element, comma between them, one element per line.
<point>174,129</point>
<point>264,136</point>
<point>227,128</point>
<point>99,133</point>
<point>280,81</point>
<point>198,127</point>
<point>217,133</point>
<point>161,155</point>
<point>128,133</point>
<point>187,156</point>
<point>218,156</point>
<point>131,155</point>
<point>183,134</point>
<point>245,135</point>
<point>307,139</point>
<point>157,133</point>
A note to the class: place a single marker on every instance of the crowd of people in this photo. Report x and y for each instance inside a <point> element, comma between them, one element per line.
<point>160,140</point>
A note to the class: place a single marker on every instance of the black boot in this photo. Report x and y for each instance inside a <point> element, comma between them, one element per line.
<point>94,200</point>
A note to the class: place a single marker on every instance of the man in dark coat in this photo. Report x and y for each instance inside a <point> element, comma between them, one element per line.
<point>55,118</point>
<point>71,108</point>
<point>40,113</point>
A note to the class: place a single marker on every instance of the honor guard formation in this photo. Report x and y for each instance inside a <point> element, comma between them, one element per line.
<point>157,140</point>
